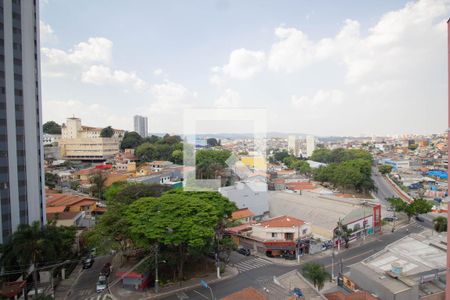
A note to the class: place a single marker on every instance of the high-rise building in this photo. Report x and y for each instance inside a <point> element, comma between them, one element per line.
<point>141,125</point>
<point>310,145</point>
<point>293,145</point>
<point>21,153</point>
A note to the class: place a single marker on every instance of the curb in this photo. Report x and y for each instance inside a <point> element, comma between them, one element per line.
<point>186,288</point>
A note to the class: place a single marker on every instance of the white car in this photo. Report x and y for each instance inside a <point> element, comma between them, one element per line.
<point>102,284</point>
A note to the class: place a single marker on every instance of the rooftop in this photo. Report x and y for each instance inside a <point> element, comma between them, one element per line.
<point>242,213</point>
<point>282,221</point>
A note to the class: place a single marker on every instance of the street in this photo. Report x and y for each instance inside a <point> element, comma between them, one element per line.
<point>84,286</point>
<point>261,276</point>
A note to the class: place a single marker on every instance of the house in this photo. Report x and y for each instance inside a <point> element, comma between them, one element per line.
<point>72,203</point>
<point>66,218</point>
<point>272,237</point>
<point>158,165</point>
<point>243,215</point>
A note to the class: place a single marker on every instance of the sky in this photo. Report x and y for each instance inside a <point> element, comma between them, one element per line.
<point>353,68</point>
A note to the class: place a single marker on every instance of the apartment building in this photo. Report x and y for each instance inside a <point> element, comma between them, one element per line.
<point>21,152</point>
<point>85,143</point>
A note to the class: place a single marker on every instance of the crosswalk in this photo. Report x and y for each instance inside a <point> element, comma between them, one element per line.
<point>102,297</point>
<point>253,263</point>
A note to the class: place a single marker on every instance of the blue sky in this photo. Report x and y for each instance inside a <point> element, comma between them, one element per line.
<point>360,67</point>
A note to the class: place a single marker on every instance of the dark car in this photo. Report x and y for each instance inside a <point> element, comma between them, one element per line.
<point>106,270</point>
<point>288,256</point>
<point>244,251</point>
<point>390,219</point>
<point>88,262</point>
<point>420,219</point>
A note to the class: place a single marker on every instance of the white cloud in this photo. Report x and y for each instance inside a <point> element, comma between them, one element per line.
<point>229,98</point>
<point>47,33</point>
<point>58,111</point>
<point>244,63</point>
<point>411,34</point>
<point>320,99</point>
<point>169,97</point>
<point>158,72</point>
<point>94,50</point>
<point>102,75</point>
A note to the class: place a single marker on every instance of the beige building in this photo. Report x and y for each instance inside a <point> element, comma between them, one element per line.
<point>83,142</point>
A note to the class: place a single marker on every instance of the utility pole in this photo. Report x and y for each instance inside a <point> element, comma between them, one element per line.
<point>156,269</point>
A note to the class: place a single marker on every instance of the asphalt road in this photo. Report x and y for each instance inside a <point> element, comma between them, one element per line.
<point>385,190</point>
<point>85,285</point>
<point>263,276</point>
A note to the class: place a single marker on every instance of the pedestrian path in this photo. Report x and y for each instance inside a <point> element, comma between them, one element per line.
<point>102,297</point>
<point>253,263</point>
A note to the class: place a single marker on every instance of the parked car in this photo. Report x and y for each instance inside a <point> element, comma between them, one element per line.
<point>390,208</point>
<point>102,284</point>
<point>288,256</point>
<point>390,219</point>
<point>88,261</point>
<point>244,251</point>
<point>106,270</point>
<point>420,219</point>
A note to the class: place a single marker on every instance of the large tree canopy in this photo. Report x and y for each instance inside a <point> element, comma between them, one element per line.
<point>51,127</point>
<point>186,221</point>
<point>131,140</point>
<point>107,132</point>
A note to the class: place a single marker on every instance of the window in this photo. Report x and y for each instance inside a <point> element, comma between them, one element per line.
<point>274,234</point>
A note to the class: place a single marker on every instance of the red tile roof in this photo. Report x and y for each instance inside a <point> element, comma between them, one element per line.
<point>55,209</point>
<point>283,221</point>
<point>66,199</point>
<point>242,213</point>
<point>239,228</point>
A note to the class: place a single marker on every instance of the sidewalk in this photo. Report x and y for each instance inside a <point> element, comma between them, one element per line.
<point>173,288</point>
<point>64,286</point>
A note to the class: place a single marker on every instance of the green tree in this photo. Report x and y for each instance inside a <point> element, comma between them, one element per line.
<point>51,180</point>
<point>279,156</point>
<point>51,127</point>
<point>131,140</point>
<point>413,147</point>
<point>422,206</point>
<point>107,132</point>
<point>185,221</point>
<point>33,245</point>
<point>397,204</point>
<point>316,273</point>
<point>321,155</point>
<point>177,156</point>
<point>211,163</point>
<point>98,184</point>
<point>385,169</point>
<point>440,224</point>
<point>212,142</point>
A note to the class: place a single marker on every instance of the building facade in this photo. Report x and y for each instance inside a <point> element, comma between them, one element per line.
<point>293,145</point>
<point>85,143</point>
<point>141,125</point>
<point>21,151</point>
<point>310,145</point>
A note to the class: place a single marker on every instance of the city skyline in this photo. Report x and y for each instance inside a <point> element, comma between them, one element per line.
<point>318,69</point>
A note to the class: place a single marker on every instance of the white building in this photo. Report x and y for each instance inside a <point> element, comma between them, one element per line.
<point>85,143</point>
<point>310,145</point>
<point>293,145</point>
<point>141,125</point>
<point>21,152</point>
<point>283,228</point>
<point>50,139</point>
